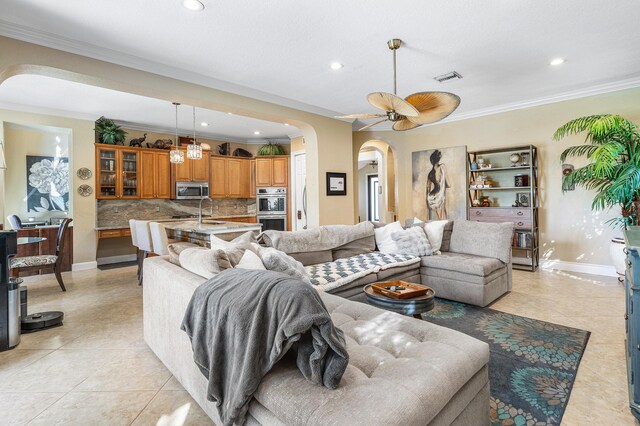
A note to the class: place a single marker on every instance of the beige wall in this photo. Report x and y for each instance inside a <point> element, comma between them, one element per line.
<point>81,155</point>
<point>297,144</point>
<point>569,230</point>
<point>328,141</point>
<point>19,143</point>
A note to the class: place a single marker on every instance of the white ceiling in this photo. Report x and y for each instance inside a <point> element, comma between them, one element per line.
<point>281,50</point>
<point>69,99</point>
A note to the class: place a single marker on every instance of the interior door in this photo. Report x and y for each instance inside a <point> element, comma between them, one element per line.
<point>300,182</point>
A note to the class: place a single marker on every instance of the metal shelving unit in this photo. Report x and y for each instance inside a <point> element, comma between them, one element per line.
<point>525,249</point>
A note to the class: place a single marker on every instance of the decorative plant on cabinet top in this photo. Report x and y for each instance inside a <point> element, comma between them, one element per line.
<point>271,149</point>
<point>612,147</point>
<point>109,132</point>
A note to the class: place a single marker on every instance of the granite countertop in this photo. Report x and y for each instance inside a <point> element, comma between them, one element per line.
<point>211,226</point>
<point>205,218</point>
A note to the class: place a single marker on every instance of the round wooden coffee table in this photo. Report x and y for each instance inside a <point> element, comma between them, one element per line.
<point>414,306</point>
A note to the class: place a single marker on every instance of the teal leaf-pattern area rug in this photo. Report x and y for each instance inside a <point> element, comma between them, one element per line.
<point>533,363</point>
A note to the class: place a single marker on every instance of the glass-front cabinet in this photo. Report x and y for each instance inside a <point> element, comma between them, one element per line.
<point>117,172</point>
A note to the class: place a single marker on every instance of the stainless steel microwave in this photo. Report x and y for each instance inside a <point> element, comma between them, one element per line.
<point>191,190</point>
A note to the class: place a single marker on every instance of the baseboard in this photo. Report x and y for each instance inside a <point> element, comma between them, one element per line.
<point>585,268</point>
<point>116,259</point>
<point>84,266</point>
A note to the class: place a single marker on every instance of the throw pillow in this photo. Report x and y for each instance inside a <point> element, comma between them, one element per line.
<point>235,248</point>
<point>250,260</point>
<point>412,241</point>
<point>176,248</point>
<point>204,262</point>
<point>276,260</point>
<point>383,237</point>
<point>435,231</point>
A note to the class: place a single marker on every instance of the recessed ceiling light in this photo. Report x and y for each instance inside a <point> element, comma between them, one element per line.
<point>204,124</point>
<point>256,132</point>
<point>336,66</point>
<point>193,5</point>
<point>286,124</point>
<point>230,113</point>
<point>557,61</point>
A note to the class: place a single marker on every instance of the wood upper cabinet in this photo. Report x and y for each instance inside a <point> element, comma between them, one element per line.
<point>230,177</point>
<point>148,174</point>
<point>218,181</point>
<point>163,175</point>
<point>272,171</point>
<point>200,168</point>
<point>155,175</point>
<point>117,172</point>
<point>280,172</point>
<point>191,170</point>
<point>264,167</point>
<point>252,180</point>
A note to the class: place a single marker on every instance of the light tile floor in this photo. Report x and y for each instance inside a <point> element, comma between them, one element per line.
<point>96,369</point>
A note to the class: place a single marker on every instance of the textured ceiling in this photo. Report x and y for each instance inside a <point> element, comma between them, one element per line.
<point>283,48</point>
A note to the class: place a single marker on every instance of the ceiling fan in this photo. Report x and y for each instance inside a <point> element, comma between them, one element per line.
<point>414,110</point>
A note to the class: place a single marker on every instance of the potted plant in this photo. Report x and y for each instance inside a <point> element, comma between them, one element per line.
<point>612,149</point>
<point>109,132</point>
<point>271,149</point>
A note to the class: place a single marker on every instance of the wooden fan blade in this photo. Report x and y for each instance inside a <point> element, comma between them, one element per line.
<point>389,102</point>
<point>361,116</point>
<point>433,106</point>
<point>405,124</point>
<point>371,125</point>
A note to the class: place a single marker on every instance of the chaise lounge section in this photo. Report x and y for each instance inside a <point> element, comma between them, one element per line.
<point>401,370</point>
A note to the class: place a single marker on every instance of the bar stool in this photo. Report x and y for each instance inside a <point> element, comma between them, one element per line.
<point>159,238</point>
<point>145,244</point>
<point>134,241</point>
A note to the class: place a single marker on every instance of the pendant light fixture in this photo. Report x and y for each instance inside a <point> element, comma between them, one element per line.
<point>176,155</point>
<point>194,150</point>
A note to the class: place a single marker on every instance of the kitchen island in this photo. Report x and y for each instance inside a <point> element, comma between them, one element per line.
<point>200,233</point>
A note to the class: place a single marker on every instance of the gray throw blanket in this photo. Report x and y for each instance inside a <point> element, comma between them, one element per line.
<point>241,322</point>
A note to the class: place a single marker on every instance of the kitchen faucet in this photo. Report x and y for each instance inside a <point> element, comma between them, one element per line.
<point>200,208</point>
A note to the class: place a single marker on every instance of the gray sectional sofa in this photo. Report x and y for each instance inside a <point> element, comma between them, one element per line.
<point>401,371</point>
<point>474,265</point>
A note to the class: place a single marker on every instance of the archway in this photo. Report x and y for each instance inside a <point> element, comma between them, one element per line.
<point>376,182</point>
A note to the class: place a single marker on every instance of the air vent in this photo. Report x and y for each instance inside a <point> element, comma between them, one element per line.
<point>453,75</point>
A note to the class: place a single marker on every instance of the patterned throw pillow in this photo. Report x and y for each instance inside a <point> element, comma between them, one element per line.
<point>412,241</point>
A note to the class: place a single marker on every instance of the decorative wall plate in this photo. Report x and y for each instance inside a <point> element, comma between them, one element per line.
<point>85,190</point>
<point>84,173</point>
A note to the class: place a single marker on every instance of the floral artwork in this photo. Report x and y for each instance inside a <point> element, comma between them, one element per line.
<point>47,183</point>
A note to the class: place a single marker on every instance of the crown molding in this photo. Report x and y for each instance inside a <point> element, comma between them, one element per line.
<point>54,41</point>
<point>599,89</point>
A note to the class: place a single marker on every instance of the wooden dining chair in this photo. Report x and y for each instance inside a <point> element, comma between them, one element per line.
<point>18,264</point>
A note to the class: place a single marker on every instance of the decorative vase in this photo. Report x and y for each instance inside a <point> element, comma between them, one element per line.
<point>474,166</point>
<point>485,201</point>
<point>616,250</point>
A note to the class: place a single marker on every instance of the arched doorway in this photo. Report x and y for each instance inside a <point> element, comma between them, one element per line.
<point>376,182</point>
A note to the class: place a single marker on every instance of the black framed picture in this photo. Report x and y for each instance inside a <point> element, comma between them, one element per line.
<point>47,183</point>
<point>336,183</point>
<point>523,199</point>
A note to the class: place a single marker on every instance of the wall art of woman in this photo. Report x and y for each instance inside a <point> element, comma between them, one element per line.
<point>436,187</point>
